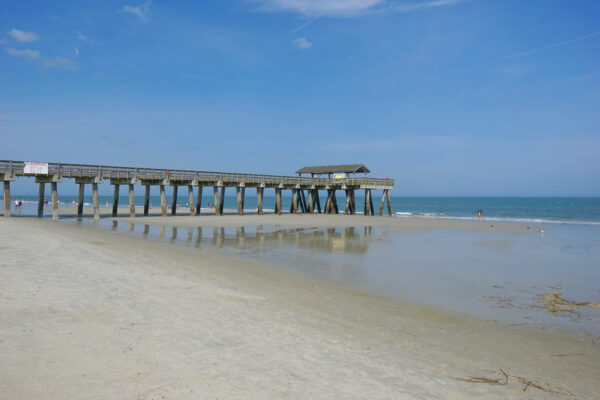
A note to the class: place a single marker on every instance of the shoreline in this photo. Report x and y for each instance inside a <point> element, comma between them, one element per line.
<point>225,325</point>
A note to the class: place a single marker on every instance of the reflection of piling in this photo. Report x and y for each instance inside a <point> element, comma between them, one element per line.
<point>115,224</point>
<point>173,234</point>
<point>199,238</point>
<point>131,226</point>
<point>146,229</point>
<point>162,231</point>
<point>190,235</point>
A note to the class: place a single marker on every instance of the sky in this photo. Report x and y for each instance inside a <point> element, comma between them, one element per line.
<point>447,97</point>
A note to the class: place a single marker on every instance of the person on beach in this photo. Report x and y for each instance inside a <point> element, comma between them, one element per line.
<point>479,214</point>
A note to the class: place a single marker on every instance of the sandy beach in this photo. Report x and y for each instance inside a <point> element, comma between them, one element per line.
<point>86,313</point>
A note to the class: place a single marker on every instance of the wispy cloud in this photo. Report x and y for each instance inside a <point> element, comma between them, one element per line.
<point>141,11</point>
<point>422,5</point>
<point>26,53</point>
<point>81,36</point>
<point>337,8</point>
<point>347,8</point>
<point>515,55</point>
<point>36,56</point>
<point>76,49</point>
<point>23,36</point>
<point>302,43</point>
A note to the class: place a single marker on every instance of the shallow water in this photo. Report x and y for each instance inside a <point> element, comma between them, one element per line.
<point>496,275</point>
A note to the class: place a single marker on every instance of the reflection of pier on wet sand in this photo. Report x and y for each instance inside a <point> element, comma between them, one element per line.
<point>346,240</point>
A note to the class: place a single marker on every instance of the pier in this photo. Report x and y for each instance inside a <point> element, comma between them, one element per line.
<point>304,190</point>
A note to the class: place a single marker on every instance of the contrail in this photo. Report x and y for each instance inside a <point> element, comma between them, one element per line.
<point>304,25</point>
<point>516,55</point>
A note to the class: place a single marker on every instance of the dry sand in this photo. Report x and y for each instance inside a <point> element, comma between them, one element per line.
<point>91,314</point>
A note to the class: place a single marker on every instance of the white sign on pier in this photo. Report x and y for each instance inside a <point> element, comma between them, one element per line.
<point>36,168</point>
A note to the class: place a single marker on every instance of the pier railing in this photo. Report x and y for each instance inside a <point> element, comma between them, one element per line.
<point>17,168</point>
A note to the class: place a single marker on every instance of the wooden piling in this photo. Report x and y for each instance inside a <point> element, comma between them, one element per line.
<point>163,201</point>
<point>240,192</point>
<point>259,199</point>
<point>303,202</point>
<point>80,200</point>
<point>54,187</point>
<point>131,201</point>
<point>147,201</point>
<point>353,201</point>
<point>222,202</point>
<point>294,206</point>
<point>347,209</point>
<point>318,200</point>
<point>278,201</point>
<point>115,201</point>
<point>191,200</point>
<point>387,194</point>
<point>334,202</point>
<point>6,198</point>
<point>216,200</point>
<point>367,193</point>
<point>311,203</point>
<point>371,203</point>
<point>382,201</point>
<point>174,201</point>
<point>40,210</point>
<point>199,200</point>
<point>95,201</point>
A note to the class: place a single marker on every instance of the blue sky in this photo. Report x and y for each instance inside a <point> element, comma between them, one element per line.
<point>448,97</point>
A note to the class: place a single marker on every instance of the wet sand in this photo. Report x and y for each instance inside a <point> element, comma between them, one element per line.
<point>86,313</point>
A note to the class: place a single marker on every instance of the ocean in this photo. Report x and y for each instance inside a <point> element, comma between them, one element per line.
<point>578,210</point>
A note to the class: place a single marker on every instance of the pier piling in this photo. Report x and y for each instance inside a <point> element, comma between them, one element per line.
<point>95,201</point>
<point>131,201</point>
<point>259,199</point>
<point>191,200</point>
<point>54,187</point>
<point>216,200</point>
<point>147,201</point>
<point>199,200</point>
<point>163,201</point>
<point>174,202</point>
<point>40,209</point>
<point>115,207</point>
<point>6,198</point>
<point>80,200</point>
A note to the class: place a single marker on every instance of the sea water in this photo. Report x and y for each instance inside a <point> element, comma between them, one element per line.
<point>527,209</point>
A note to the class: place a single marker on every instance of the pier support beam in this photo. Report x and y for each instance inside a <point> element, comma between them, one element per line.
<point>278,201</point>
<point>303,201</point>
<point>294,205</point>
<point>199,200</point>
<point>371,203</point>
<point>115,201</point>
<point>259,199</point>
<point>6,198</point>
<point>368,202</point>
<point>163,201</point>
<point>318,201</point>
<point>334,202</point>
<point>222,201</point>
<point>40,210</point>
<point>54,187</point>
<point>387,194</point>
<point>347,209</point>
<point>191,200</point>
<point>384,196</point>
<point>95,201</point>
<point>131,201</point>
<point>80,200</point>
<point>328,203</point>
<point>353,201</point>
<point>311,204</point>
<point>147,201</point>
<point>241,193</point>
<point>216,201</point>
<point>174,202</point>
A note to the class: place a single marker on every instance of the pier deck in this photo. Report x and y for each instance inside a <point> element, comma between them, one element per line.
<point>53,173</point>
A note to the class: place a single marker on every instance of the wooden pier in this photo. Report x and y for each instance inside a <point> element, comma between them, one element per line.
<point>305,190</point>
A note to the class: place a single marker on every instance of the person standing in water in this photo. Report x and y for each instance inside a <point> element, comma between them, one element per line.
<point>479,214</point>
